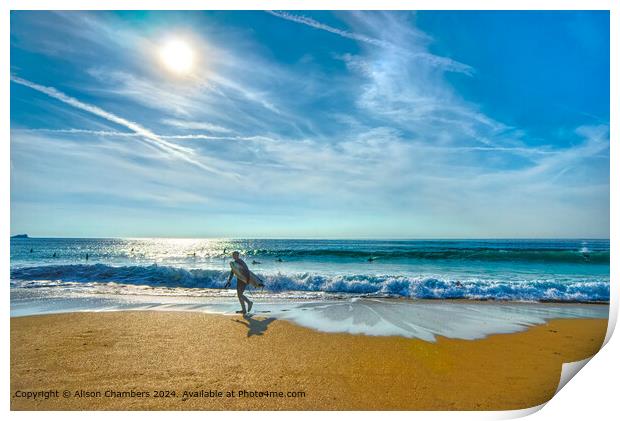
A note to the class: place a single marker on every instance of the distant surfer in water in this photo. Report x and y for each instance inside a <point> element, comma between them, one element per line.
<point>240,284</point>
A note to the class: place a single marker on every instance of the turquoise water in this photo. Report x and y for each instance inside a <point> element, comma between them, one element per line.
<point>517,270</point>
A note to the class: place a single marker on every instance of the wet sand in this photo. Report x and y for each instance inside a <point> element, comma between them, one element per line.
<point>117,355</point>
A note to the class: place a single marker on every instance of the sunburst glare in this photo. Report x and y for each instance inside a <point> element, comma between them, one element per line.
<point>177,56</point>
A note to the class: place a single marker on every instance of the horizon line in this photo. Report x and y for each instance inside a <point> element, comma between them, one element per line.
<point>314,238</point>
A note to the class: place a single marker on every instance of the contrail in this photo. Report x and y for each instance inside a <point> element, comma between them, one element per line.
<point>111,133</point>
<point>318,25</point>
<point>432,59</point>
<point>171,148</point>
<point>80,131</point>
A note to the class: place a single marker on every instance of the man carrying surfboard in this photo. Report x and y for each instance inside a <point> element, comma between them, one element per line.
<point>240,269</point>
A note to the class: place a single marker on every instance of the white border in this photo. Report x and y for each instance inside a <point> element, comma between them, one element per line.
<point>312,5</point>
<point>591,394</point>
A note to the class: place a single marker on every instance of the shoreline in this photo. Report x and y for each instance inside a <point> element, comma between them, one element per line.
<point>422,319</point>
<point>190,351</point>
<point>336,299</point>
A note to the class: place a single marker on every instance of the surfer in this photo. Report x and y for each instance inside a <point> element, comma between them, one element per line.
<point>255,262</point>
<point>240,285</point>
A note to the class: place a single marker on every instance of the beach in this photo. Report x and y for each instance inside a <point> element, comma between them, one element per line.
<point>112,360</point>
<point>339,324</point>
<point>306,209</point>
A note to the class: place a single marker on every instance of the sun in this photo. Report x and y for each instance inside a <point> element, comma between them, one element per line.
<point>177,56</point>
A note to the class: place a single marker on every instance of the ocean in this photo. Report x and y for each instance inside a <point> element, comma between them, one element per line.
<point>416,289</point>
<point>509,270</point>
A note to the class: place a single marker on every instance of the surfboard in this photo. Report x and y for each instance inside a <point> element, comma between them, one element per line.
<point>254,280</point>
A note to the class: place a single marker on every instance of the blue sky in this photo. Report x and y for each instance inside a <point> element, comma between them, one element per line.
<point>311,124</point>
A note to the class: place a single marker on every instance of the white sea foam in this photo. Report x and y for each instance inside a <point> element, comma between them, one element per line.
<point>422,319</point>
<point>539,288</point>
<point>428,319</point>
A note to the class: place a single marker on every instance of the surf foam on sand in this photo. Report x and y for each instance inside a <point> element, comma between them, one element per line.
<point>422,319</point>
<point>428,319</point>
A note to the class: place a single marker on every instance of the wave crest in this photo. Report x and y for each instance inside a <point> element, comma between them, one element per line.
<point>360,284</point>
<point>467,254</point>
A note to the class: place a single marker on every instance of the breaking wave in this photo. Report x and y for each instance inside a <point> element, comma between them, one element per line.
<point>359,284</point>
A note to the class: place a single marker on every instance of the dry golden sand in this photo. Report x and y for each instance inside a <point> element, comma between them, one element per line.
<point>148,351</point>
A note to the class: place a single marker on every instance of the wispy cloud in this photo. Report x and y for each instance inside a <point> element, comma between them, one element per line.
<point>443,62</point>
<point>135,127</point>
<point>195,125</point>
<point>318,25</point>
<point>111,170</point>
<point>376,133</point>
<point>172,149</point>
<point>78,131</point>
<point>111,133</point>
